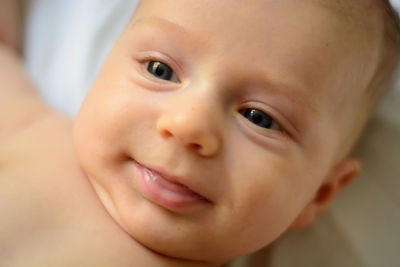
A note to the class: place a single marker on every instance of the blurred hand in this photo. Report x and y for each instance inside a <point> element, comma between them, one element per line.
<point>10,23</point>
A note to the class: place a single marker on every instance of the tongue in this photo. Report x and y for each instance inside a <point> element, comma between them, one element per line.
<point>174,187</point>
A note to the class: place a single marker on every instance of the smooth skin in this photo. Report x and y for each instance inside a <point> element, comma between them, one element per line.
<point>257,115</point>
<point>285,60</point>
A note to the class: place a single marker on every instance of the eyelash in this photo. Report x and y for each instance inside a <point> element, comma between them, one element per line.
<point>147,60</point>
<point>162,71</point>
<point>268,122</point>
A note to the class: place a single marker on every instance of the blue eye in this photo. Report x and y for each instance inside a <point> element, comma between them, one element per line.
<point>259,118</point>
<point>161,71</point>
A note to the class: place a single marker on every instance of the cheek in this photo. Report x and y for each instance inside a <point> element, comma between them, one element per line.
<point>112,119</point>
<point>267,191</point>
<point>97,127</point>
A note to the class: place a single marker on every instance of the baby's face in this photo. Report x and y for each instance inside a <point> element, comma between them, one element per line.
<point>214,123</point>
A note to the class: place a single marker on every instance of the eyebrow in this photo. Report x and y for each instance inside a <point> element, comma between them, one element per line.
<point>295,90</point>
<point>171,27</point>
<point>157,21</point>
<point>300,111</point>
<point>294,93</point>
<point>295,97</point>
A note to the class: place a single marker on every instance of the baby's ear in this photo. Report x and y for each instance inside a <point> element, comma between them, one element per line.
<point>340,175</point>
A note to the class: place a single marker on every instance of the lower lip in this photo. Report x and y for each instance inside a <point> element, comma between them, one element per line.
<point>170,195</point>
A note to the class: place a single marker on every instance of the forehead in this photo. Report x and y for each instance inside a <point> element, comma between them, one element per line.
<point>265,28</point>
<point>261,20</point>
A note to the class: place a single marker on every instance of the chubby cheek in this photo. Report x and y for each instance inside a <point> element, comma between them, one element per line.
<point>267,195</point>
<point>113,116</point>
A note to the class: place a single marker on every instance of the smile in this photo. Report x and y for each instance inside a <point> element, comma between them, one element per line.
<point>165,192</point>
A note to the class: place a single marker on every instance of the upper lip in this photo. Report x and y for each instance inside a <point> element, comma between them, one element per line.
<point>173,179</point>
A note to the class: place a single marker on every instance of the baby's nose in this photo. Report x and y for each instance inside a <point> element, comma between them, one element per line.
<point>191,125</point>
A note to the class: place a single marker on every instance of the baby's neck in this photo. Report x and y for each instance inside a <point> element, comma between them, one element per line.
<point>165,260</point>
<point>168,261</point>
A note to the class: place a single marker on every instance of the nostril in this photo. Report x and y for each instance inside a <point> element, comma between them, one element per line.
<point>165,133</point>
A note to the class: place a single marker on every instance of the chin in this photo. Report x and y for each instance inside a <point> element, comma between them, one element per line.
<point>164,234</point>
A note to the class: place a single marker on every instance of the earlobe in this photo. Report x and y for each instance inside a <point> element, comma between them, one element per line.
<point>344,172</point>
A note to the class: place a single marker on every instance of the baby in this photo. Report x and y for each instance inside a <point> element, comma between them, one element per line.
<point>213,127</point>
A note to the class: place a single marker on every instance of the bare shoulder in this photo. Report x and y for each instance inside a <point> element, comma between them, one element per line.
<point>29,156</point>
<point>28,190</point>
<point>35,136</point>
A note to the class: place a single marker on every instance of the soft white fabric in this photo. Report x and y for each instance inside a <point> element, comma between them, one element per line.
<point>395,4</point>
<point>67,41</point>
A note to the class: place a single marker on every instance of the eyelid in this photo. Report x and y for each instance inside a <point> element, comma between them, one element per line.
<point>284,124</point>
<point>174,78</point>
<point>156,56</point>
<point>274,121</point>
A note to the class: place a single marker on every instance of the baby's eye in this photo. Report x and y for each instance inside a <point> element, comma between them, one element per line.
<point>260,118</point>
<point>162,71</point>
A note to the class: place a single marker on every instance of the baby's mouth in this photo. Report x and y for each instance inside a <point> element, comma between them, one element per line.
<point>165,191</point>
